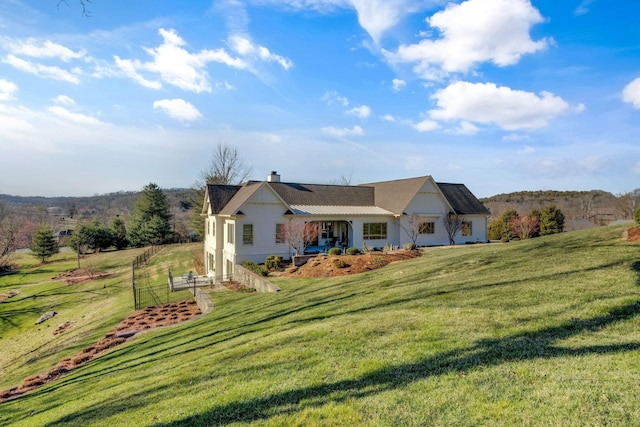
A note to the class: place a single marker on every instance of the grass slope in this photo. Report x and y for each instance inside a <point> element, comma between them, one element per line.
<point>539,332</point>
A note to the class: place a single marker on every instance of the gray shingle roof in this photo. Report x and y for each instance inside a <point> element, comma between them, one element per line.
<point>324,195</point>
<point>392,196</point>
<point>462,200</point>
<point>220,195</point>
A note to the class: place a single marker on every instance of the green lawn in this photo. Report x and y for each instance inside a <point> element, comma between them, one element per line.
<point>539,332</point>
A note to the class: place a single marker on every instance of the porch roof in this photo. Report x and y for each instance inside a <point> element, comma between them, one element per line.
<point>338,210</point>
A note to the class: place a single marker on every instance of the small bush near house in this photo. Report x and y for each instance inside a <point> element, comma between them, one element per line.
<point>340,263</point>
<point>352,251</point>
<point>409,246</point>
<point>257,269</point>
<point>335,251</point>
<point>378,262</point>
<point>272,261</point>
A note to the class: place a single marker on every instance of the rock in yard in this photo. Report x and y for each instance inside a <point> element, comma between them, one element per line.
<point>48,315</point>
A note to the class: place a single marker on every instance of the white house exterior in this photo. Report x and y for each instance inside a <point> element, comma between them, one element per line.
<point>246,222</point>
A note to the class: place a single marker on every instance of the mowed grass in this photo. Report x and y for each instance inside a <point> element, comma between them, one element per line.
<point>539,332</point>
<point>93,307</point>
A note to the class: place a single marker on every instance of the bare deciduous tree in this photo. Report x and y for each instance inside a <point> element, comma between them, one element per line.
<point>452,224</point>
<point>413,229</point>
<point>226,167</point>
<point>83,4</point>
<point>9,236</point>
<point>524,227</point>
<point>299,235</point>
<point>343,180</point>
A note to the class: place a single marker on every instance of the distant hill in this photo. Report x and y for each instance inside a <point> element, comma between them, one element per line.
<point>64,212</point>
<point>581,208</point>
<point>122,202</point>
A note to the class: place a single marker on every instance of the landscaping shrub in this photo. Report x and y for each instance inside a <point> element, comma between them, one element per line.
<point>335,251</point>
<point>409,246</point>
<point>340,263</point>
<point>254,267</point>
<point>636,215</point>
<point>352,251</point>
<point>272,261</point>
<point>378,262</point>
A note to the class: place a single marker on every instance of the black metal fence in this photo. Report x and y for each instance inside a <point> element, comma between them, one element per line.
<point>152,295</point>
<point>144,258</point>
<point>145,294</point>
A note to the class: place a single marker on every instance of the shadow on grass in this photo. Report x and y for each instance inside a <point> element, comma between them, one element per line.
<point>528,345</point>
<point>538,344</point>
<point>491,352</point>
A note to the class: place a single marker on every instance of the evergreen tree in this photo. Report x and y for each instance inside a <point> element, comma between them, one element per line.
<point>636,215</point>
<point>44,244</point>
<point>94,236</point>
<point>119,231</point>
<point>551,220</point>
<point>506,219</point>
<point>151,223</point>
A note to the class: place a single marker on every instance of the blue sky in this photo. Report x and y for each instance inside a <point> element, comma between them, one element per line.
<point>502,95</point>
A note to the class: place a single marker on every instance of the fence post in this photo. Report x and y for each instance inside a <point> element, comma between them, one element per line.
<point>133,284</point>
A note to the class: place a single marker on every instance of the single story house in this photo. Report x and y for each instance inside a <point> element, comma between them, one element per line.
<point>249,221</point>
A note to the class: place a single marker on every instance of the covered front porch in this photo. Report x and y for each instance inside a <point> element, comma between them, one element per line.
<point>331,234</point>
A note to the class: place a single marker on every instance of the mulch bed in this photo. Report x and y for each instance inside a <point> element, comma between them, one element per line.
<point>80,275</point>
<point>633,234</point>
<point>148,318</point>
<point>342,265</point>
<point>7,295</point>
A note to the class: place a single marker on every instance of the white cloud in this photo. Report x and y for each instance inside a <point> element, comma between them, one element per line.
<point>583,8</point>
<point>486,103</point>
<point>334,97</point>
<point>128,68</point>
<point>426,126</point>
<point>342,132</point>
<point>513,137</point>
<point>466,128</point>
<point>388,118</point>
<point>178,109</point>
<point>7,90</point>
<point>631,93</point>
<point>594,162</point>
<point>398,85</point>
<point>244,47</point>
<point>64,100</point>
<point>176,66</point>
<point>527,150</point>
<point>40,70</point>
<point>377,16</point>
<point>474,32</point>
<point>70,116</point>
<point>45,49</point>
<point>362,111</point>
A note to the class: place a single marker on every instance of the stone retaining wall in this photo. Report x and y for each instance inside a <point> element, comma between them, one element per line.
<point>204,302</point>
<point>253,281</point>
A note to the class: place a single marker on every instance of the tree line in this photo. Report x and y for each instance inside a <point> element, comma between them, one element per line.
<point>101,222</point>
<point>513,226</point>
